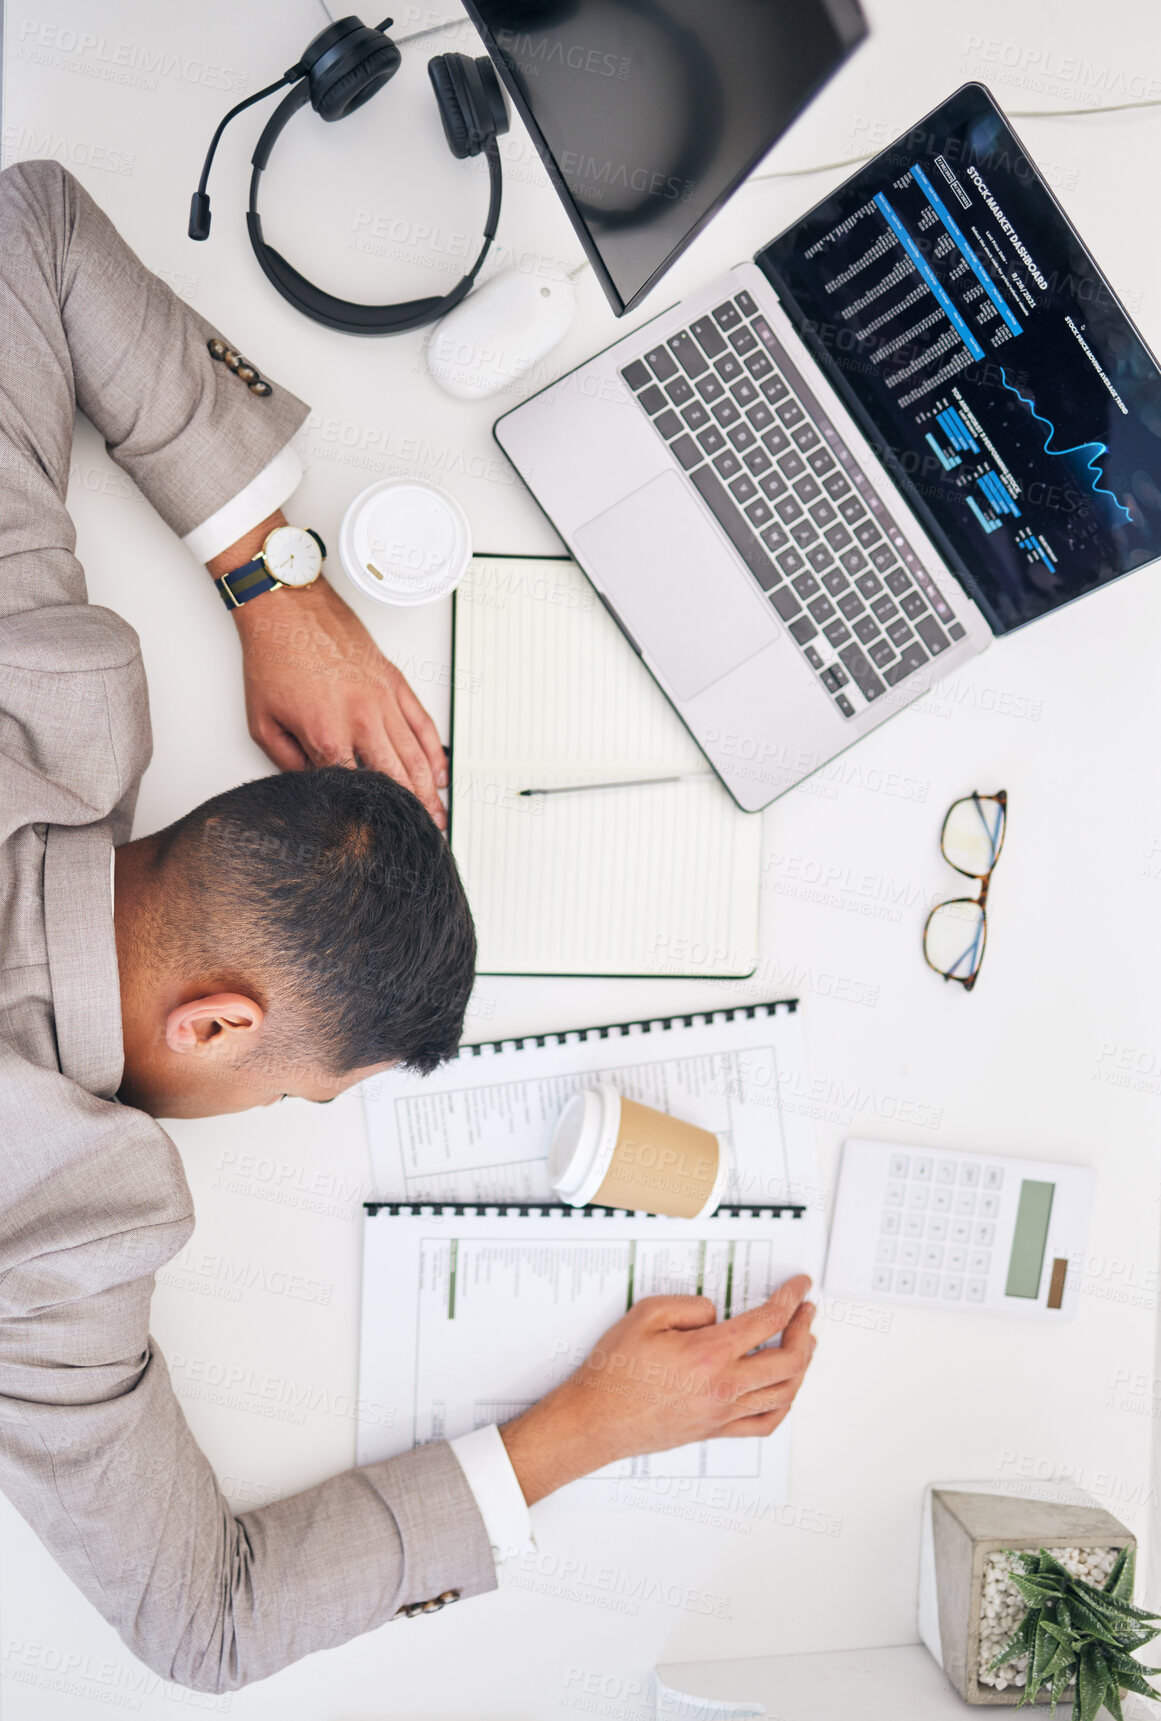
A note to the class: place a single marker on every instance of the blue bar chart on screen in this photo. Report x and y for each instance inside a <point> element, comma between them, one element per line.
<point>1005,386</point>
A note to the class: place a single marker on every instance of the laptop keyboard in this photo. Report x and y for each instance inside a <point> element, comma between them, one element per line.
<point>771,468</point>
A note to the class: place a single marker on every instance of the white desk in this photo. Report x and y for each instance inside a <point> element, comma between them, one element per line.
<point>896,1681</point>
<point>1056,1054</point>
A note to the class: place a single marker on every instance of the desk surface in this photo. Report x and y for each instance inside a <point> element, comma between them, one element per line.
<point>844,1685</point>
<point>1056,1054</point>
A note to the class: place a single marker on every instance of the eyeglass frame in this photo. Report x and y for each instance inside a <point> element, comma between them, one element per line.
<point>983,879</point>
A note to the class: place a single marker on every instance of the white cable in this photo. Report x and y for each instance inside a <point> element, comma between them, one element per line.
<point>820,167</point>
<point>1014,113</point>
<point>1078,113</point>
<point>448,25</point>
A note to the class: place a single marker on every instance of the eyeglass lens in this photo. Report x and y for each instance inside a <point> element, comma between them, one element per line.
<point>954,939</point>
<point>973,834</point>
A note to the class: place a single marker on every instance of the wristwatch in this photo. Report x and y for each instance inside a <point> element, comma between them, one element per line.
<point>291,556</point>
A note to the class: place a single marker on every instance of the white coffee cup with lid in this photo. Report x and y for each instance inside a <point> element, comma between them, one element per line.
<point>405,542</point>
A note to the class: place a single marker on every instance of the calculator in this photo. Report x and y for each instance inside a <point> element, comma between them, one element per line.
<point>959,1230</point>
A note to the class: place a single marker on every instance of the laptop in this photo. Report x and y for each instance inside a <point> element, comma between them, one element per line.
<point>918,420</point>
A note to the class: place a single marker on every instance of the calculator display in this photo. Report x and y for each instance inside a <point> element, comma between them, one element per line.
<point>1026,1262</point>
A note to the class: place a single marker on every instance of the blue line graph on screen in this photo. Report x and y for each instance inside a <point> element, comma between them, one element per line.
<point>1094,450</point>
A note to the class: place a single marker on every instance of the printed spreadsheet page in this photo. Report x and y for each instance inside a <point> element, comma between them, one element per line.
<point>480,1127</point>
<point>468,1319</point>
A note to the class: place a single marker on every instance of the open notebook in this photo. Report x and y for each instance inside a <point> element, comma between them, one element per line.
<point>546,691</point>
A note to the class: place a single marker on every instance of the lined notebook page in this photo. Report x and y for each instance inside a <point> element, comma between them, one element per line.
<point>658,880</point>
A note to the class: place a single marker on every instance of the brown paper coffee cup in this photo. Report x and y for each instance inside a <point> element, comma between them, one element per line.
<point>615,1152</point>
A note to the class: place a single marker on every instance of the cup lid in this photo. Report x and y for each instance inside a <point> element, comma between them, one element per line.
<point>583,1143</point>
<point>405,542</point>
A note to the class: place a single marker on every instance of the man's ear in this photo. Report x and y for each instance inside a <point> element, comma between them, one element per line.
<point>222,1025</point>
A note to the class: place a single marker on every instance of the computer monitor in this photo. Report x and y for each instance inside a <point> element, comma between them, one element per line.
<point>649,113</point>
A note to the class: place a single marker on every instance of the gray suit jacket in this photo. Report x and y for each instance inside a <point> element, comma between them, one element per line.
<point>94,1450</point>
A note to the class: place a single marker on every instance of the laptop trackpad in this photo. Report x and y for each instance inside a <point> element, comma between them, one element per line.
<point>675,585</point>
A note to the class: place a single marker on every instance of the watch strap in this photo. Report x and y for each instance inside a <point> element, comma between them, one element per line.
<point>241,584</point>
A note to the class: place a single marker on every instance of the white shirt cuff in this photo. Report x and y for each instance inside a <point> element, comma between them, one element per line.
<point>248,508</point>
<point>484,1460</point>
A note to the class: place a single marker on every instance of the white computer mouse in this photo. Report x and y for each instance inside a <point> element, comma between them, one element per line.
<point>498,333</point>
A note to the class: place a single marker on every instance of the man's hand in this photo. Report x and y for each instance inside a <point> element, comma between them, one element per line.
<point>320,692</point>
<point>669,1372</point>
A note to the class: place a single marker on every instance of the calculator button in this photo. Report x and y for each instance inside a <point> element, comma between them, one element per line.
<point>893,1195</point>
<point>881,1279</point>
<point>937,1229</point>
<point>993,1177</point>
<point>969,1174</point>
<point>921,1170</point>
<point>989,1206</point>
<point>960,1231</point>
<point>945,1171</point>
<point>905,1282</point>
<point>929,1285</point>
<point>980,1260</point>
<point>909,1254</point>
<point>952,1287</point>
<point>932,1256</point>
<point>885,1253</point>
<point>977,1290</point>
<point>900,1165</point>
<point>917,1195</point>
<point>889,1224</point>
<point>941,1200</point>
<point>985,1235</point>
<point>965,1201</point>
<point>913,1225</point>
<point>957,1260</point>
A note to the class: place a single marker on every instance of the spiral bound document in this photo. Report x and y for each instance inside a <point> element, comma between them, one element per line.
<point>471,1315</point>
<point>654,878</point>
<point>479,1128</point>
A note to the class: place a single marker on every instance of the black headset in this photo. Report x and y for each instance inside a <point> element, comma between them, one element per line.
<point>341,69</point>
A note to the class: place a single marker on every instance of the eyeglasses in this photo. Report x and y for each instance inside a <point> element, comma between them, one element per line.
<point>957,931</point>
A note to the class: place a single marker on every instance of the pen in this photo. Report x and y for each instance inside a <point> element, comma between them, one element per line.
<point>624,783</point>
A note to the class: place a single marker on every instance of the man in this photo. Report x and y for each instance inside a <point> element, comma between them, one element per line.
<point>290,936</point>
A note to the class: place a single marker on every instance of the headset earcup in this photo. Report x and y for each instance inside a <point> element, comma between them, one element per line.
<point>339,96</point>
<point>491,98</point>
<point>471,102</point>
<point>345,65</point>
<point>452,108</point>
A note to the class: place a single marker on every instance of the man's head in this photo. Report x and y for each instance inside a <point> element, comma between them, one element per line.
<point>288,937</point>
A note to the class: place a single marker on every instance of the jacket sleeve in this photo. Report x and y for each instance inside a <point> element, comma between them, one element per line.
<point>84,316</point>
<point>83,322</point>
<point>96,1454</point>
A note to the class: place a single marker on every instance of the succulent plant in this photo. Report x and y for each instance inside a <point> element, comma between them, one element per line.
<point>1074,1634</point>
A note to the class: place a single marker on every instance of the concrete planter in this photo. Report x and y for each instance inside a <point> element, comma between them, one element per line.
<point>966,1529</point>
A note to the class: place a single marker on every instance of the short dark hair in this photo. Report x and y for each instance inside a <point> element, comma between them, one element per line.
<point>335,889</point>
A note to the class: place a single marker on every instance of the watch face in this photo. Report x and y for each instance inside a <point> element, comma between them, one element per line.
<point>292,556</point>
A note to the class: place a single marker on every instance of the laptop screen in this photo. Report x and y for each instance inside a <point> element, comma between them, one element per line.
<point>648,113</point>
<point>998,378</point>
